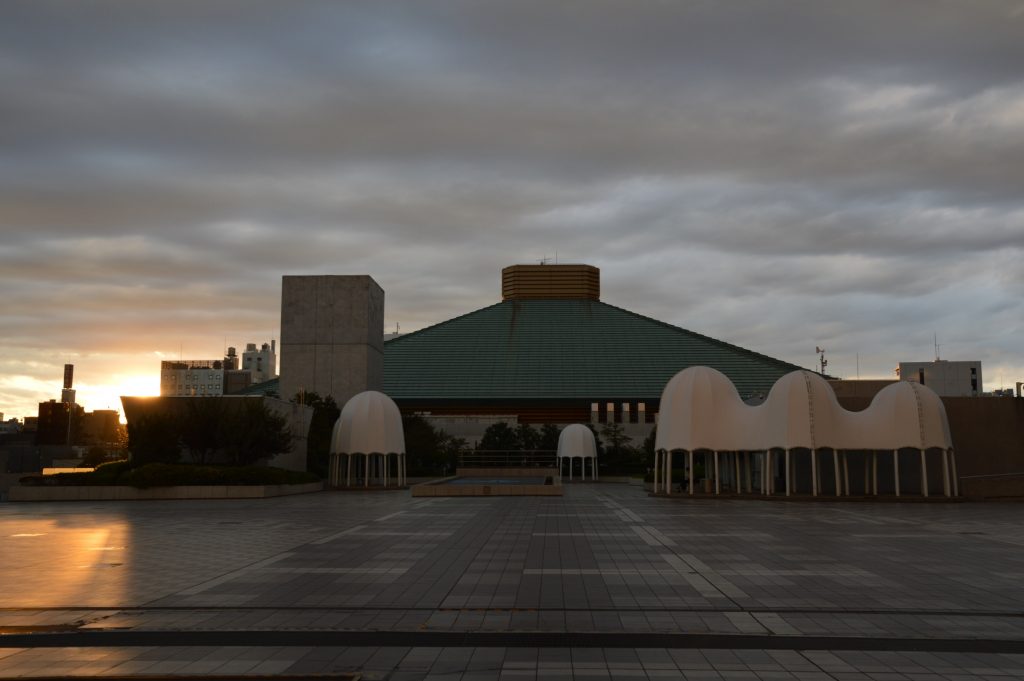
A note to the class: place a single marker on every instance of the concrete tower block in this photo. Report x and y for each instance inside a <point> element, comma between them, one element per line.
<point>332,335</point>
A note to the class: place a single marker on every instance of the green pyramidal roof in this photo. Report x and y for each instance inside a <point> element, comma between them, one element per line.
<point>560,349</point>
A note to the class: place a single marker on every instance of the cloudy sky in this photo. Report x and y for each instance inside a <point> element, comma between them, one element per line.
<point>780,175</point>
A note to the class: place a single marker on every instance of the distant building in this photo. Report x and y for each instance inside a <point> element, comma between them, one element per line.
<point>10,426</point>
<point>59,423</point>
<point>213,377</point>
<point>99,427</point>
<point>192,378</point>
<point>261,364</point>
<point>947,379</point>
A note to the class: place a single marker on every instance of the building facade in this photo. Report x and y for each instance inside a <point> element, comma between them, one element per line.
<point>262,363</point>
<point>947,379</point>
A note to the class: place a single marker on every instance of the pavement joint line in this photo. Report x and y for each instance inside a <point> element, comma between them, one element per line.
<point>336,535</point>
<point>518,639</point>
<point>653,608</point>
<point>216,581</point>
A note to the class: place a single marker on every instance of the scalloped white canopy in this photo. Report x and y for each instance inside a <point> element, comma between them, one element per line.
<point>700,409</point>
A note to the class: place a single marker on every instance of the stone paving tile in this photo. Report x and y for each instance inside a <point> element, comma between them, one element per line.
<point>602,558</point>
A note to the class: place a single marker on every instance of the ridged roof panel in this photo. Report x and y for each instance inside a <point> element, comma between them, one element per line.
<point>560,349</point>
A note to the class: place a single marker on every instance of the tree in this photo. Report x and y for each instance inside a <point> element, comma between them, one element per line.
<point>499,437</point>
<point>549,436</point>
<point>321,429</point>
<point>252,433</point>
<point>526,437</point>
<point>615,436</point>
<point>154,438</point>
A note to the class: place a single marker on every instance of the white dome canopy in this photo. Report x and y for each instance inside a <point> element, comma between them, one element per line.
<point>370,423</point>
<point>577,440</point>
<point>700,409</point>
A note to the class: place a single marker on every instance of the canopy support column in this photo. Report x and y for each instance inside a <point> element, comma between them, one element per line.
<point>788,471</point>
<point>668,472</point>
<point>718,477</point>
<point>896,468</point>
<point>945,472</point>
<point>838,475</point>
<point>846,473</point>
<point>952,467</point>
<point>689,455</point>
<point>750,479</point>
<point>815,480</point>
<point>874,472</point>
<point>924,473</point>
<point>657,465</point>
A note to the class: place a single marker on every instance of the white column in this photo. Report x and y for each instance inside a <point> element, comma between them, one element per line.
<point>348,470</point>
<point>846,473</point>
<point>654,472</point>
<point>821,490</point>
<point>750,479</point>
<point>924,473</point>
<point>718,477</point>
<point>867,475</point>
<point>764,467</point>
<point>788,471</point>
<point>896,468</point>
<point>689,457</point>
<point>838,474</point>
<point>738,482</point>
<point>952,468</point>
<point>366,470</point>
<point>815,482</point>
<point>668,472</point>
<point>874,472</point>
<point>945,472</point>
<point>769,472</point>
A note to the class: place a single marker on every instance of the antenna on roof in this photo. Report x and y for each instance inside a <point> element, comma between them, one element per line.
<point>545,260</point>
<point>937,346</point>
<point>824,362</point>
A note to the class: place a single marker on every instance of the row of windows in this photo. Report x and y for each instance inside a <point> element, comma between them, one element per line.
<point>605,412</point>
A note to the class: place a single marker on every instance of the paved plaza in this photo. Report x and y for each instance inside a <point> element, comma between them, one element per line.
<point>602,583</point>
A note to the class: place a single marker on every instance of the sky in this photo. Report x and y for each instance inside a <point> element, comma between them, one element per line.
<point>779,175</point>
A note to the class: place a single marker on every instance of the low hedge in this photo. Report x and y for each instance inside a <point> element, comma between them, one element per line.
<point>169,475</point>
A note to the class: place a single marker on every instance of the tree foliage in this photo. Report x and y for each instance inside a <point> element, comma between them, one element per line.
<point>430,450</point>
<point>321,429</point>
<point>212,430</point>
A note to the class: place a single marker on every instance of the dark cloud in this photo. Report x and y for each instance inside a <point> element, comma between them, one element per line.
<point>778,174</point>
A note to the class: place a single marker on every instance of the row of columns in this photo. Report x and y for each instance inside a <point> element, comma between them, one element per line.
<point>375,466</point>
<point>741,469</point>
<point>583,465</point>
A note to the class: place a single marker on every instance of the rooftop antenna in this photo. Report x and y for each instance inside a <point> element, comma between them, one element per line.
<point>937,346</point>
<point>824,362</point>
<point>545,260</point>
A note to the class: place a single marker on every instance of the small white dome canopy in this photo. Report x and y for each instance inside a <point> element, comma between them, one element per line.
<point>370,423</point>
<point>577,441</point>
<point>370,426</point>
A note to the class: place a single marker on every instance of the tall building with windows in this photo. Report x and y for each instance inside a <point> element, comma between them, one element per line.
<point>261,364</point>
<point>192,378</point>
